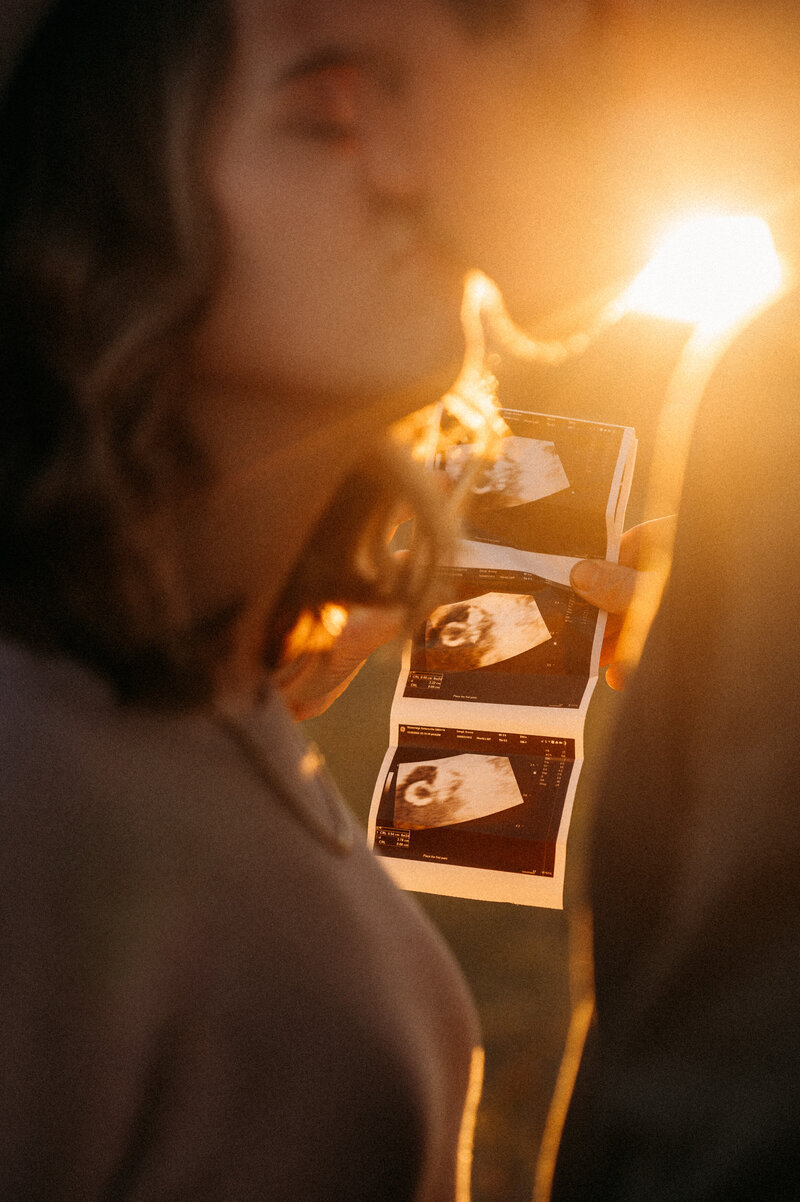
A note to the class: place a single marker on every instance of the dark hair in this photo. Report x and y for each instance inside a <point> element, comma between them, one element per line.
<point>106,260</point>
<point>108,257</point>
<point>349,558</point>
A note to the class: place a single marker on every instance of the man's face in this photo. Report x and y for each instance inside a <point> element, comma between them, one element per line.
<point>542,154</point>
<point>552,150</point>
<point>575,135</point>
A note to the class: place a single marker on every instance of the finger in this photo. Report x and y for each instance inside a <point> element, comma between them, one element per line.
<point>618,674</point>
<point>609,586</point>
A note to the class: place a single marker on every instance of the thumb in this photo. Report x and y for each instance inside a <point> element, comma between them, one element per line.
<point>609,586</point>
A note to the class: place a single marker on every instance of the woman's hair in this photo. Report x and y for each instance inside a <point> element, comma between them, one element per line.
<point>107,258</point>
<point>349,558</point>
<point>109,253</point>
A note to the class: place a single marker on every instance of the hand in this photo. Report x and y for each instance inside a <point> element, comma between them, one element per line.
<point>617,587</point>
<point>312,682</point>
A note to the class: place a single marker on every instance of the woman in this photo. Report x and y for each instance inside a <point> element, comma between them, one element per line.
<point>208,988</point>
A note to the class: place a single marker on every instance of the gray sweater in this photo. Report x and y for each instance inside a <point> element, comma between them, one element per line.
<point>203,997</point>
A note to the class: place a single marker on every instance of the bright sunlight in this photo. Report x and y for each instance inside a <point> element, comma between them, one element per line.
<point>710,271</point>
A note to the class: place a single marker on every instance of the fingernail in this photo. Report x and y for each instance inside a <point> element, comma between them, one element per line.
<point>584,575</point>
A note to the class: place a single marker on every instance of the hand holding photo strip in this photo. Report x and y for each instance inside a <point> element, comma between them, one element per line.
<point>475,792</point>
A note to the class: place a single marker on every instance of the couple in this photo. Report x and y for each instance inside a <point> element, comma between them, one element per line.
<point>234,234</point>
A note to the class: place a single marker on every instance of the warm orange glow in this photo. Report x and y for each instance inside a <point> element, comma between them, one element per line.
<point>469,412</point>
<point>504,332</point>
<point>311,763</point>
<point>315,633</point>
<point>334,619</point>
<point>711,271</point>
<point>472,401</point>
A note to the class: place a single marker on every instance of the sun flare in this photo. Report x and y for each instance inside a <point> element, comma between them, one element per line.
<point>710,271</point>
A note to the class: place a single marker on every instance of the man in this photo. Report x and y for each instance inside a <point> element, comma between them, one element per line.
<point>570,132</point>
<point>690,1084</point>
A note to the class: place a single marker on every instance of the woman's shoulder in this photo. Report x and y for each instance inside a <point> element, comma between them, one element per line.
<point>89,783</point>
<point>232,817</point>
<point>202,878</point>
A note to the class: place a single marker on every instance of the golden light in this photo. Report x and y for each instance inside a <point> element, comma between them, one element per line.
<point>710,271</point>
<point>334,619</point>
<point>485,313</point>
<point>315,632</point>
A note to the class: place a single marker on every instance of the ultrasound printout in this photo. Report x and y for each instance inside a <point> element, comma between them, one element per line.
<point>475,799</point>
<point>549,491</point>
<point>508,638</point>
<point>475,793</point>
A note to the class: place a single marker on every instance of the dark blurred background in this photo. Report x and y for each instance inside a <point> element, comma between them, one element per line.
<point>516,959</point>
